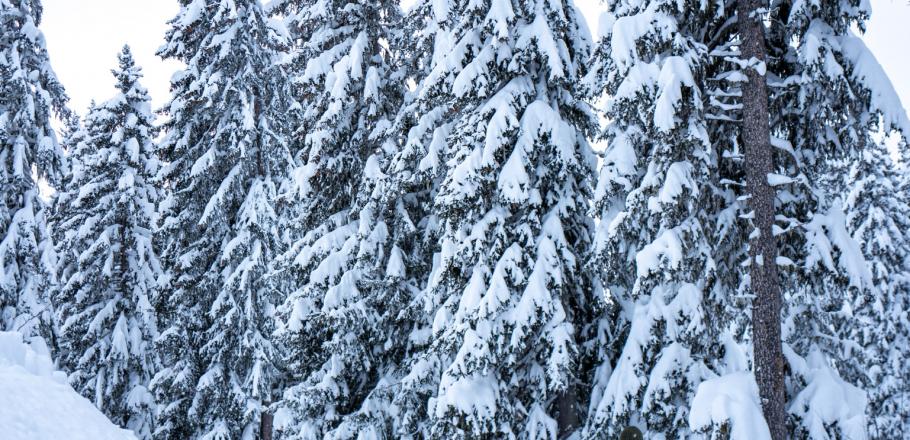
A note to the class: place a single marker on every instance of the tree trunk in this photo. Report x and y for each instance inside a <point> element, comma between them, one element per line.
<point>568,420</point>
<point>759,162</point>
<point>265,426</point>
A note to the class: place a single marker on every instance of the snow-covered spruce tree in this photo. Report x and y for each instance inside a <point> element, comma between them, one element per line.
<point>104,304</point>
<point>345,95</point>
<point>666,220</point>
<point>66,216</point>
<point>508,297</point>
<point>414,174</point>
<point>876,218</point>
<point>903,192</point>
<point>829,96</point>
<point>343,274</point>
<point>225,154</point>
<point>394,245</point>
<point>29,94</point>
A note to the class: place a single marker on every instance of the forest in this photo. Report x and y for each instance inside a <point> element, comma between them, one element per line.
<point>463,219</point>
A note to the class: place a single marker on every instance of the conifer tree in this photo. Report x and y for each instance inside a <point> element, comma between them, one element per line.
<point>829,96</point>
<point>66,217</point>
<point>413,174</point>
<point>826,96</point>
<point>663,213</point>
<point>344,274</point>
<point>507,297</point>
<point>395,247</point>
<point>225,153</point>
<point>876,218</point>
<point>104,304</point>
<point>758,159</point>
<point>29,94</point>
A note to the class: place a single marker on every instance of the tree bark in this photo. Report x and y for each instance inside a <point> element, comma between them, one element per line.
<point>568,420</point>
<point>759,162</point>
<point>265,425</point>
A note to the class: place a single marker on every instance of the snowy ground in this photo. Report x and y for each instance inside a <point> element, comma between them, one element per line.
<point>36,403</point>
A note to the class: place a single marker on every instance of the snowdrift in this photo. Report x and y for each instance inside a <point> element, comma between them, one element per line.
<point>36,403</point>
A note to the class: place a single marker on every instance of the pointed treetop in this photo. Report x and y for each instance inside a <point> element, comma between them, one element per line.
<point>31,7</point>
<point>128,73</point>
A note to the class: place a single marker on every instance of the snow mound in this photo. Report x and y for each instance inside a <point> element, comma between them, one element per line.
<point>730,399</point>
<point>36,403</point>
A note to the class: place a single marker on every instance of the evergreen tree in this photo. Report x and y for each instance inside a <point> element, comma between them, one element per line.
<point>500,113</point>
<point>668,226</point>
<point>66,217</point>
<point>876,218</point>
<point>225,153</point>
<point>29,94</point>
<point>345,94</point>
<point>758,159</point>
<point>341,273</point>
<point>395,243</point>
<point>104,305</point>
<point>414,173</point>
<point>829,96</point>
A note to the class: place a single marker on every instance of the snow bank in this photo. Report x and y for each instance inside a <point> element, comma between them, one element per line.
<point>730,399</point>
<point>36,403</point>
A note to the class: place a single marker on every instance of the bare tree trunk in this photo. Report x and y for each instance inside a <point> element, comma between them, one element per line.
<point>759,162</point>
<point>265,425</point>
<point>568,420</point>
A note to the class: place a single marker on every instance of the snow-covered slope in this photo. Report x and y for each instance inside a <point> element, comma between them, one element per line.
<point>36,403</point>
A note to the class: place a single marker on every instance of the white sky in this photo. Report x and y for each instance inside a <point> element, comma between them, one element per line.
<point>84,36</point>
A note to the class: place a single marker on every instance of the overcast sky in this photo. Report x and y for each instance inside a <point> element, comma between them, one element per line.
<point>84,36</point>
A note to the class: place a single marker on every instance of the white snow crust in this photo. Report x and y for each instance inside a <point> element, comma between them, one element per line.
<point>36,403</point>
